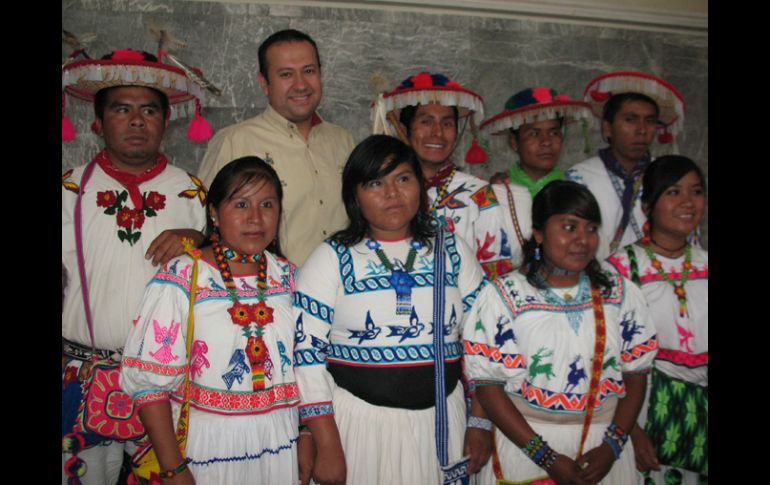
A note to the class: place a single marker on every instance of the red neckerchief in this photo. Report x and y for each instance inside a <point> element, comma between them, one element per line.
<point>442,174</point>
<point>315,119</point>
<point>131,181</point>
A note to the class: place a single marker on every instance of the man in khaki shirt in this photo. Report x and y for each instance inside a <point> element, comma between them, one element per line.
<point>307,153</point>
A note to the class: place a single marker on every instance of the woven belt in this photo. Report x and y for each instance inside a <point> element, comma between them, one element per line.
<point>81,352</point>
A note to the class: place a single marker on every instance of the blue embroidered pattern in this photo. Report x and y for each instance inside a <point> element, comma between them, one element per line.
<point>468,300</point>
<point>353,285</point>
<point>392,355</point>
<point>247,456</point>
<point>315,411</point>
<point>314,307</point>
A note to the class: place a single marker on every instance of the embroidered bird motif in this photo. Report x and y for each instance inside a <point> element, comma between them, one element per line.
<point>185,272</point>
<point>299,335</point>
<point>505,247</point>
<point>483,253</point>
<point>172,268</point>
<point>370,333</point>
<point>450,201</point>
<point>284,359</point>
<point>198,358</point>
<point>166,337</point>
<point>407,331</point>
<point>245,286</point>
<point>238,367</point>
<point>199,191</point>
<point>684,337</point>
<point>214,286</point>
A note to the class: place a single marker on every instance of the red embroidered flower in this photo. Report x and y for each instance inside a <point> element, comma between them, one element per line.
<point>261,313</point>
<point>156,201</point>
<point>687,266</point>
<point>106,199</point>
<point>657,264</point>
<point>256,350</point>
<point>138,219</point>
<point>125,217</point>
<point>679,290</point>
<point>239,313</point>
<point>119,405</point>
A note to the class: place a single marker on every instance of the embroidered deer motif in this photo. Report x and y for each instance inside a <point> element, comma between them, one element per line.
<point>575,375</point>
<point>536,368</point>
<point>502,337</point>
<point>630,328</point>
<point>449,325</point>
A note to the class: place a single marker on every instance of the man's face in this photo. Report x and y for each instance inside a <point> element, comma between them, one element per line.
<point>631,132</point>
<point>132,126</point>
<point>538,146</point>
<point>433,133</point>
<point>293,87</point>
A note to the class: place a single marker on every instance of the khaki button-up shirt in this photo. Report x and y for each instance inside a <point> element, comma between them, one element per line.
<point>310,171</point>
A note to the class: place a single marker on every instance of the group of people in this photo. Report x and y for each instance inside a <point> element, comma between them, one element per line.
<point>334,313</point>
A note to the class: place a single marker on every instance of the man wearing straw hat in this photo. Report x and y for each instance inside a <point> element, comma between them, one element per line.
<point>533,119</point>
<point>307,152</point>
<point>424,111</point>
<point>123,214</point>
<point>633,107</point>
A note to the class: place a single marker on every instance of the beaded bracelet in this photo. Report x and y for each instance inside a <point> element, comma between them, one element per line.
<point>616,438</point>
<point>479,422</point>
<point>176,471</point>
<point>539,452</point>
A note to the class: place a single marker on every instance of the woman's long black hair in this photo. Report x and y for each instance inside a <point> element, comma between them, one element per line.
<point>373,158</point>
<point>233,177</point>
<point>562,197</point>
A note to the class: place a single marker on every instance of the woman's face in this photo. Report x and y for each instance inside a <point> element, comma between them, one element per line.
<point>248,221</point>
<point>679,209</point>
<point>390,203</point>
<point>569,242</point>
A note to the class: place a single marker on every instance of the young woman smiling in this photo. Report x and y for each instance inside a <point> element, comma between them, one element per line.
<point>673,274</point>
<point>559,352</point>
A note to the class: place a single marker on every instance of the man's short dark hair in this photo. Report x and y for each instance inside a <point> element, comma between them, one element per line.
<point>288,35</point>
<point>100,100</point>
<point>409,112</point>
<point>613,105</point>
<point>515,133</point>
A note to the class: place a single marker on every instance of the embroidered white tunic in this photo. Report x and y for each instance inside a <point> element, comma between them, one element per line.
<point>346,314</point>
<point>471,210</point>
<point>593,174</point>
<point>541,350</point>
<point>522,201</point>
<point>237,434</point>
<point>116,269</point>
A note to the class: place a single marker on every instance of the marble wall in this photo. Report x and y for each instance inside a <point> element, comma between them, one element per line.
<point>495,57</point>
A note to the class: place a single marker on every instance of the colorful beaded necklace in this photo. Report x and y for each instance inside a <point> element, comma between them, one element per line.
<point>400,279</point>
<point>252,317</point>
<point>679,290</point>
<point>442,189</point>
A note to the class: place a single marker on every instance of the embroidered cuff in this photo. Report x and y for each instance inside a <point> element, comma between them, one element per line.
<point>314,411</point>
<point>144,398</point>
<point>479,422</point>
